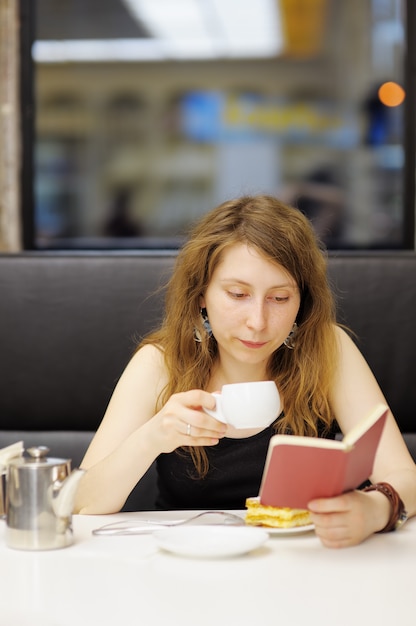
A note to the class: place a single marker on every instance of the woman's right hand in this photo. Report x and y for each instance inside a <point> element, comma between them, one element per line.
<point>183,422</point>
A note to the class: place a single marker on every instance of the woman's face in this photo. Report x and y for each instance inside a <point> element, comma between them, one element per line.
<point>252,304</point>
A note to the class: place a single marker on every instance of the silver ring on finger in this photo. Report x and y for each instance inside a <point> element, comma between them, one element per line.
<point>188,430</point>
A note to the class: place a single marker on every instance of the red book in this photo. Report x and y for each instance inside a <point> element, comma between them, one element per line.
<point>299,469</point>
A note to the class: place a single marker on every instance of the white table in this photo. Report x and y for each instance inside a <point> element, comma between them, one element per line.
<point>294,580</point>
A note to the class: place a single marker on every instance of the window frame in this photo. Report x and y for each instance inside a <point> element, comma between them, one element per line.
<point>27,14</point>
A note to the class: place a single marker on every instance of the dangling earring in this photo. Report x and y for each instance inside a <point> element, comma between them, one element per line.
<point>205,322</point>
<point>290,339</point>
<point>206,325</point>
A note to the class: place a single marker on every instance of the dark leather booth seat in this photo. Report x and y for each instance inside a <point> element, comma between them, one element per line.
<point>69,323</point>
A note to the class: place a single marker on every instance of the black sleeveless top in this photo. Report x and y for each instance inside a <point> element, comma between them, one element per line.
<point>235,472</point>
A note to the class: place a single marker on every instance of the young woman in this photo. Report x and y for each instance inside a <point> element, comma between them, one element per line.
<point>248,300</point>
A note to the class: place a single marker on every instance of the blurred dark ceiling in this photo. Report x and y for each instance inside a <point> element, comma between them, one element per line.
<point>85,19</point>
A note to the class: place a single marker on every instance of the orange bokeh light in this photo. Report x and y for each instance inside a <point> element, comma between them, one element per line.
<point>391,94</point>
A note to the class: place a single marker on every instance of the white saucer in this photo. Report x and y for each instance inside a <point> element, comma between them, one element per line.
<point>211,541</point>
<point>288,531</point>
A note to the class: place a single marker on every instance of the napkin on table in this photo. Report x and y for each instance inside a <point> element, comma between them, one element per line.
<point>7,454</point>
<point>10,452</point>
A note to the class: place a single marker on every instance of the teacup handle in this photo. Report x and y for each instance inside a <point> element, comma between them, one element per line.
<point>217,412</point>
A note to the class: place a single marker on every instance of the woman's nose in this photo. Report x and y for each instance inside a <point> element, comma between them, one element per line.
<point>256,317</point>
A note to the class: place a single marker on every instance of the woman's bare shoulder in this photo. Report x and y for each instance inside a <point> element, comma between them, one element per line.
<point>149,353</point>
<point>141,383</point>
<point>344,335</point>
<point>149,362</point>
<point>149,369</point>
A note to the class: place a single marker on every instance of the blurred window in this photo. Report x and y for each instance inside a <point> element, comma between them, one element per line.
<point>143,123</point>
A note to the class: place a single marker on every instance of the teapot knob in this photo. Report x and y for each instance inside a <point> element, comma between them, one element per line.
<point>38,452</point>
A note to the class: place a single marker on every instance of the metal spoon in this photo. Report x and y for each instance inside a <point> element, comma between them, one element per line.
<point>147,526</point>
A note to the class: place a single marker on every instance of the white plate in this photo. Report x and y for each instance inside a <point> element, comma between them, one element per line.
<point>288,531</point>
<point>211,541</point>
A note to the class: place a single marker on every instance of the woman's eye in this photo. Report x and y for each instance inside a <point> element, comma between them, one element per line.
<point>280,298</point>
<point>236,295</point>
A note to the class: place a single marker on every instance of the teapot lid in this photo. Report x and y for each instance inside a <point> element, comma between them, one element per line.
<point>38,458</point>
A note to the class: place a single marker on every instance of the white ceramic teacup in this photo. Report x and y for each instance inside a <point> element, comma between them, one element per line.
<point>247,405</point>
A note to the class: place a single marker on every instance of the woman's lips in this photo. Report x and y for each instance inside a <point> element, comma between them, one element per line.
<point>253,344</point>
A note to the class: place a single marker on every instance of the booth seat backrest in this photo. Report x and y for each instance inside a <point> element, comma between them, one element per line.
<point>376,298</point>
<point>68,326</point>
<point>69,323</point>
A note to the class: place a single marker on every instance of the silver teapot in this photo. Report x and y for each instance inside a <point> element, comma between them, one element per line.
<point>39,501</point>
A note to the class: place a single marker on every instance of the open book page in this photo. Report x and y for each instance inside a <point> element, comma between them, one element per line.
<point>365,443</point>
<point>299,469</point>
<point>378,414</point>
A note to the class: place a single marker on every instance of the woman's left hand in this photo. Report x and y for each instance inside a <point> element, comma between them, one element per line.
<point>348,519</point>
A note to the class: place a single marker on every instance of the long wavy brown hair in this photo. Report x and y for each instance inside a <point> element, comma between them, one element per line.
<point>283,235</point>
